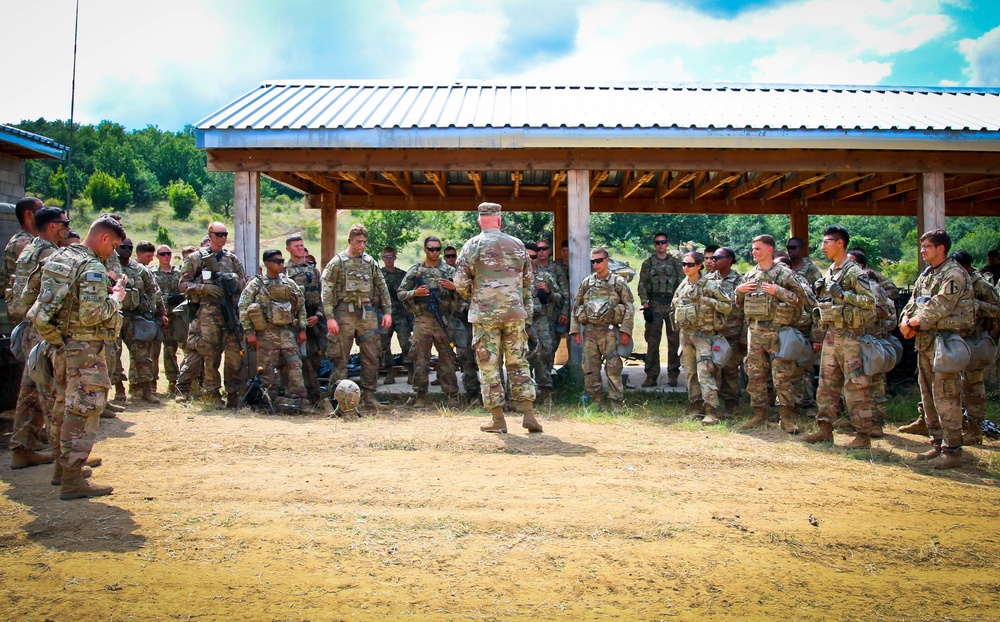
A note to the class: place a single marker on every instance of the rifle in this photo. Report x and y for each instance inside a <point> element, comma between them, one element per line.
<point>231,318</point>
<point>433,304</point>
<point>255,394</point>
<point>317,333</point>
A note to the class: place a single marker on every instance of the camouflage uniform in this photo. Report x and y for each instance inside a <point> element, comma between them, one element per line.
<point>207,337</point>
<point>11,252</point>
<point>887,286</point>
<point>33,402</point>
<point>142,298</point>
<point>351,286</point>
<point>466,356</point>
<point>974,376</point>
<point>426,330</point>
<point>764,315</point>
<point>75,312</point>
<point>558,304</point>
<point>402,320</point>
<point>809,272</point>
<point>114,347</point>
<point>803,380</point>
<point>605,307</point>
<point>541,360</point>
<point>728,378</point>
<point>658,278</point>
<point>557,332</point>
<point>885,322</point>
<point>280,309</point>
<point>175,333</point>
<point>307,277</point>
<point>942,300</point>
<point>493,270</point>
<point>698,310</point>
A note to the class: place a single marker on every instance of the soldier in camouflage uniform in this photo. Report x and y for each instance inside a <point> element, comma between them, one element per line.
<point>942,301</point>
<point>603,303</point>
<point>800,262</point>
<point>728,377</point>
<point>307,277</point>
<point>439,278</point>
<point>770,298</point>
<point>352,283</point>
<point>33,402</point>
<point>465,355</point>
<point>987,325</point>
<point>699,308</point>
<point>659,276</point>
<point>76,314</point>
<point>25,211</point>
<point>168,280</point>
<point>885,322</point>
<point>495,273</point>
<point>557,309</point>
<point>402,320</point>
<point>562,265</point>
<point>273,314</point>
<point>861,258</point>
<point>548,301</point>
<point>803,381</point>
<point>208,338</point>
<point>142,301</point>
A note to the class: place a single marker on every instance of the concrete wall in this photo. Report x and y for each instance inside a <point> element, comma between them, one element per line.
<point>11,179</point>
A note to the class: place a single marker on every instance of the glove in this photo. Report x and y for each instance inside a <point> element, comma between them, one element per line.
<point>207,290</point>
<point>647,314</point>
<point>543,297</point>
<point>819,285</point>
<point>836,291</point>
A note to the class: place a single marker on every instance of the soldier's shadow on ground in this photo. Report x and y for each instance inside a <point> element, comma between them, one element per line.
<point>81,525</point>
<point>543,445</point>
<point>118,427</point>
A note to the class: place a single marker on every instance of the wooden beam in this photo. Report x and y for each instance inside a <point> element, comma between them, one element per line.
<point>930,202</point>
<point>673,184</point>
<point>293,181</point>
<point>477,181</point>
<point>870,185</point>
<point>799,223</point>
<point>246,220</point>
<point>557,178</point>
<point>578,209</point>
<point>400,180</point>
<point>762,180</point>
<point>639,159</point>
<point>636,183</point>
<point>516,177</point>
<point>596,179</point>
<point>710,185</point>
<point>328,227</point>
<point>440,181</point>
<point>560,225</point>
<point>893,190</point>
<point>827,185</point>
<point>794,182</point>
<point>359,180</point>
<point>321,181</point>
<point>973,189</point>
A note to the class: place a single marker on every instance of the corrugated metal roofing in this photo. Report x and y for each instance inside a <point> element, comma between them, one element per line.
<point>28,145</point>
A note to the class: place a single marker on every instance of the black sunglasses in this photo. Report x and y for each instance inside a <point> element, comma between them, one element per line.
<point>659,242</point>
<point>543,248</point>
<point>594,262</point>
<point>532,257</point>
<point>718,257</point>
<point>165,254</point>
<point>450,255</point>
<point>220,234</point>
<point>688,264</point>
<point>126,247</point>
<point>276,260</point>
<point>793,247</point>
<point>433,249</point>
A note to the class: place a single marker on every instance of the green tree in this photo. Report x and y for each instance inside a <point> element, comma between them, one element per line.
<point>182,198</point>
<point>106,191</point>
<point>163,237</point>
<point>218,193</point>
<point>397,228</point>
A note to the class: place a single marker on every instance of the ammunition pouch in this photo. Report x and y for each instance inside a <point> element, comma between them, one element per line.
<point>856,317</point>
<point>758,306</point>
<point>982,350</point>
<point>786,314</point>
<point>280,293</point>
<point>281,312</point>
<point>962,318</point>
<point>829,313</point>
<point>618,315</point>
<point>256,315</point>
<point>686,315</point>
<point>951,353</point>
<point>131,300</point>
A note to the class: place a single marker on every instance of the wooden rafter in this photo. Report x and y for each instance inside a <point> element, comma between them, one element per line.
<point>440,181</point>
<point>358,179</point>
<point>477,181</point>
<point>870,185</point>
<point>834,182</point>
<point>635,184</point>
<point>762,180</point>
<point>990,196</point>
<point>516,177</point>
<point>972,189</point>
<point>401,181</point>
<point>892,190</point>
<point>794,182</point>
<point>673,184</point>
<point>292,181</point>
<point>322,181</point>
<point>596,179</point>
<point>557,178</point>
<point>710,185</point>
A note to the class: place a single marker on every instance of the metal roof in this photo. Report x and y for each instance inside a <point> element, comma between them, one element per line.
<point>342,114</point>
<point>28,146</point>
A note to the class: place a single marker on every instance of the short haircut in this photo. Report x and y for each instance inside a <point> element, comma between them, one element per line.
<point>106,224</point>
<point>656,235</point>
<point>531,246</point>
<point>295,237</point>
<point>728,252</point>
<point>938,237</point>
<point>72,235</point>
<point>27,204</point>
<point>187,250</point>
<point>357,230</point>
<point>431,238</point>
<point>993,253</point>
<point>711,248</point>
<point>270,254</point>
<point>145,246</point>
<point>796,238</point>
<point>600,250</point>
<point>449,248</point>
<point>838,233</point>
<point>695,256</point>
<point>859,257</point>
<point>112,215</point>
<point>765,239</point>
<point>565,244</point>
<point>389,249</point>
<point>964,258</point>
<point>48,215</point>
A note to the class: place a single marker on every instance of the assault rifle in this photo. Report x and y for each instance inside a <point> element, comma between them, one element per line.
<point>316,334</point>
<point>433,304</point>
<point>256,395</point>
<point>231,317</point>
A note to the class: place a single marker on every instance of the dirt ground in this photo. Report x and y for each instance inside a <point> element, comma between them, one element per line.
<point>418,515</point>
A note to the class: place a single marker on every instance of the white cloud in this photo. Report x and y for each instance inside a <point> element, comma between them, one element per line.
<point>983,56</point>
<point>803,66</point>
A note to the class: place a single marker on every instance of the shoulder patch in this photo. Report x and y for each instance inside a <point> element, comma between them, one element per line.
<point>58,268</point>
<point>94,277</point>
<point>951,288</point>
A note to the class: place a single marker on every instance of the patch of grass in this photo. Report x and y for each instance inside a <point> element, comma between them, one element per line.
<point>874,455</point>
<point>388,445</point>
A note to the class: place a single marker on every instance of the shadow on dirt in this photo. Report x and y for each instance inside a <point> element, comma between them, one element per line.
<point>543,445</point>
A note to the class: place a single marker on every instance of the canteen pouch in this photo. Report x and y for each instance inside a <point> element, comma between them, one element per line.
<point>722,352</point>
<point>143,329</point>
<point>786,314</point>
<point>757,306</point>
<point>40,365</point>
<point>17,340</point>
<point>256,315</point>
<point>792,345</point>
<point>951,353</point>
<point>281,313</point>
<point>982,350</point>
<point>873,356</point>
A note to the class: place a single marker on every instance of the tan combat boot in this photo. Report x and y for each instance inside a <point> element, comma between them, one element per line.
<point>860,441</point>
<point>214,401</point>
<point>420,402</point>
<point>823,433</point>
<point>931,453</point>
<point>759,418</point>
<point>119,392</point>
<point>710,418</point>
<point>94,461</point>
<point>789,418</point>
<point>974,435</point>
<point>949,459</point>
<point>390,375</point>
<point>74,486</point>
<point>499,424</point>
<point>369,403</point>
<point>919,426</point>
<point>22,458</point>
<point>147,393</point>
<point>528,421</point>
<point>547,398</point>
<point>115,408</point>
<point>57,475</point>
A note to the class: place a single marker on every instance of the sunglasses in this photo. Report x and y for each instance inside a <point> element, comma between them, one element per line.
<point>532,257</point>
<point>126,247</point>
<point>688,264</point>
<point>433,249</point>
<point>659,242</point>
<point>166,254</point>
<point>276,260</point>
<point>594,262</point>
<point>387,257</point>
<point>543,248</point>
<point>720,257</point>
<point>220,234</point>
<point>793,248</point>
<point>450,255</point>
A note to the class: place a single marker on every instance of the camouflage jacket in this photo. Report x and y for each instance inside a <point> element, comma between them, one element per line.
<point>602,302</point>
<point>942,300</point>
<point>547,276</point>
<point>169,283</point>
<point>142,295</point>
<point>494,272</point>
<point>697,305</point>
<point>734,321</point>
<point>856,309</point>
<point>563,267</point>
<point>281,302</point>
<point>805,323</point>
<point>13,250</point>
<point>887,286</point>
<point>75,303</point>
<point>558,290</point>
<point>987,305</point>
<point>223,262</point>
<point>784,307</point>
<point>307,277</point>
<point>28,278</point>
<point>659,278</point>
<point>809,272</point>
<point>355,281</point>
<point>885,311</point>
<point>431,276</point>
<point>393,279</point>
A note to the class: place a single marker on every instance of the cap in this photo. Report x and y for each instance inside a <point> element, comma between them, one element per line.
<point>489,209</point>
<point>271,253</point>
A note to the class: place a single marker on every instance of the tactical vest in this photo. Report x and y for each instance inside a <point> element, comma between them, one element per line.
<point>355,278</point>
<point>602,302</point>
<point>762,307</point>
<point>690,313</point>
<point>663,277</point>
<point>838,314</point>
<point>25,288</point>
<point>208,266</point>
<point>962,319</point>
<point>70,276</point>
<point>431,277</point>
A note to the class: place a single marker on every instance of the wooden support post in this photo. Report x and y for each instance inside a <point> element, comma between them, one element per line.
<point>930,205</point>
<point>246,214</point>
<point>800,223</point>
<point>327,204</point>
<point>578,221</point>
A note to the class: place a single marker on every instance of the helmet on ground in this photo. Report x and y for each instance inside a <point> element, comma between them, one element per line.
<point>347,394</point>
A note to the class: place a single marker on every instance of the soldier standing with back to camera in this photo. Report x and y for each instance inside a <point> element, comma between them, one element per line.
<point>402,320</point>
<point>208,337</point>
<point>942,302</point>
<point>307,277</point>
<point>659,276</point>
<point>352,281</point>
<point>142,302</point>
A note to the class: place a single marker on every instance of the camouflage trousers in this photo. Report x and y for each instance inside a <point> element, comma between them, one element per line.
<point>466,357</point>
<point>728,377</point>
<point>426,333</point>
<point>310,365</point>
<point>699,370</point>
<point>207,341</point>
<point>941,395</point>
<point>170,369</point>
<point>762,344</point>
<point>30,413</point>
<point>278,354</point>
<point>974,392</point>
<point>840,372</point>
<point>555,338</point>
<point>361,325</point>
<point>653,334</point>
<point>600,347</point>
<point>879,398</point>
<point>81,385</point>
<point>510,341</point>
<point>804,384</point>
<point>402,327</point>
<point>541,359</point>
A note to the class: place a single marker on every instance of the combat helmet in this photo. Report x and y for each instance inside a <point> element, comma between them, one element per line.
<point>346,397</point>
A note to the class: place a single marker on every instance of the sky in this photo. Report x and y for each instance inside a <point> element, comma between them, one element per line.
<point>172,63</point>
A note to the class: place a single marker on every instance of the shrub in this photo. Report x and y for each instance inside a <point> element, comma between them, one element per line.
<point>182,198</point>
<point>163,237</point>
<point>105,191</point>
